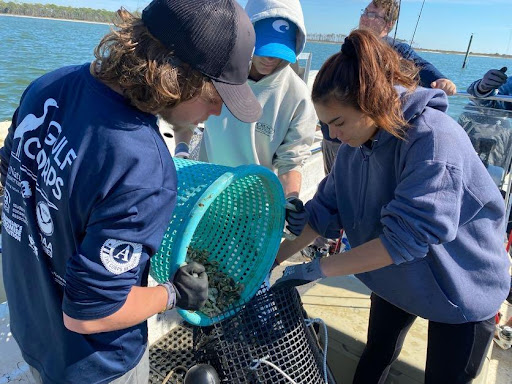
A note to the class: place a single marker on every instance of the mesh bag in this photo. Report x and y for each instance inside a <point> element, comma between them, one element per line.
<point>236,214</point>
<point>270,326</point>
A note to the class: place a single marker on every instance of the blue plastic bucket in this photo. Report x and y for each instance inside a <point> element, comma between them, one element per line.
<point>236,214</point>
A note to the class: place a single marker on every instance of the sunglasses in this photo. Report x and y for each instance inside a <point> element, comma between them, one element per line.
<point>371,15</point>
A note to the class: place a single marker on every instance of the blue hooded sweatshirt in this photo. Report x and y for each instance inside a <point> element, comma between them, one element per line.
<point>436,209</point>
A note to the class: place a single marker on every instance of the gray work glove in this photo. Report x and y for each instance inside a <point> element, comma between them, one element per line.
<point>493,79</point>
<point>300,274</point>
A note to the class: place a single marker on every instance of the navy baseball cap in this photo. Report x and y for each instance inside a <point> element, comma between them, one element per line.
<point>276,37</point>
<point>216,38</point>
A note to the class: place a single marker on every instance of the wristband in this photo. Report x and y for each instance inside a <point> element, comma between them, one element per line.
<point>171,296</point>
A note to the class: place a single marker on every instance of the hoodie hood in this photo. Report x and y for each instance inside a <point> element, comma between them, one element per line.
<point>413,104</point>
<point>287,9</point>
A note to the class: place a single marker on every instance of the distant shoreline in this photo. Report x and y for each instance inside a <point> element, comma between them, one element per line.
<point>53,18</point>
<point>311,41</point>
<point>432,50</point>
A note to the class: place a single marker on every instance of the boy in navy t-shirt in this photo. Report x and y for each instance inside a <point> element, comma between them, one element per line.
<point>90,187</point>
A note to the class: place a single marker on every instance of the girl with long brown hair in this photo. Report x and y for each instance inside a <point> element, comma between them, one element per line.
<point>424,217</point>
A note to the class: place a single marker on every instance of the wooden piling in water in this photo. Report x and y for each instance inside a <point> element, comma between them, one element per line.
<point>467,52</point>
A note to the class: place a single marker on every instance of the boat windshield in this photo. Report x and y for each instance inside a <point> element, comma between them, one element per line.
<point>488,123</point>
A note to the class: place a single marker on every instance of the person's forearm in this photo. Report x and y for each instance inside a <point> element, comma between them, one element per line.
<point>288,248</point>
<point>291,182</point>
<point>141,303</point>
<point>364,258</point>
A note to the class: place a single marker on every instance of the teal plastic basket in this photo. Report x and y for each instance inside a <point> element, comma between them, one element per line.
<point>237,214</point>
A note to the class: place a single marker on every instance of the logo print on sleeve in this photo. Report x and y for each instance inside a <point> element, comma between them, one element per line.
<point>120,256</point>
<point>44,218</point>
<point>31,123</point>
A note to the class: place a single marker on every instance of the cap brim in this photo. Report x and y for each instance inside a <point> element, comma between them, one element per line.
<point>240,101</point>
<point>281,51</point>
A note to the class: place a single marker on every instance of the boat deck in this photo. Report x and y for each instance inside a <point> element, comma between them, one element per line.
<point>343,303</point>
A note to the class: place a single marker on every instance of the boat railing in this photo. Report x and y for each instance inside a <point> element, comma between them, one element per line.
<point>504,98</point>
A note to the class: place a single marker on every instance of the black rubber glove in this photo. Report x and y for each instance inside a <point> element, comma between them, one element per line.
<point>296,215</point>
<point>493,79</point>
<point>191,283</point>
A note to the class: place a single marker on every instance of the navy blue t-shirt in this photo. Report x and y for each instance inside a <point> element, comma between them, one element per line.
<point>89,190</point>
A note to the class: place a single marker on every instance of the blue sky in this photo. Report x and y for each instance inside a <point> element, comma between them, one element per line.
<point>444,24</point>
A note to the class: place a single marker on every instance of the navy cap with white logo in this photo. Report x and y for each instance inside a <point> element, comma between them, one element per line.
<point>216,38</point>
<point>276,37</point>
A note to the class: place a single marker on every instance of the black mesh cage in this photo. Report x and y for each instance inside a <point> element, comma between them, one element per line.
<point>270,326</point>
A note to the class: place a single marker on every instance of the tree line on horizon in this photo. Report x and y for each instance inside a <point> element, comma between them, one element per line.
<point>104,16</point>
<point>56,12</point>
<point>332,37</point>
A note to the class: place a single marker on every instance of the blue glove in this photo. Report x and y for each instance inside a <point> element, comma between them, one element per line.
<point>296,215</point>
<point>181,151</point>
<point>493,79</point>
<point>300,274</point>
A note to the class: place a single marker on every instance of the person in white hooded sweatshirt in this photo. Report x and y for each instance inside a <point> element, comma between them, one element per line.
<point>281,139</point>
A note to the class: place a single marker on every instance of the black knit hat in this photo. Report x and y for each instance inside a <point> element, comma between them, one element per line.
<point>216,38</point>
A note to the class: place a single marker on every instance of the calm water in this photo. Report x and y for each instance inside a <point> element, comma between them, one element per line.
<point>32,47</point>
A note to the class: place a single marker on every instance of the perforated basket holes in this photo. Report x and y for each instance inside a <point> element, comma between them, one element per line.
<point>193,179</point>
<point>236,227</point>
<point>271,324</point>
<point>241,228</point>
<point>174,351</point>
<point>241,233</point>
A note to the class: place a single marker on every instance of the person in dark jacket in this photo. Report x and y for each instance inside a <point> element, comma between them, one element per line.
<point>90,187</point>
<point>423,216</point>
<point>494,82</point>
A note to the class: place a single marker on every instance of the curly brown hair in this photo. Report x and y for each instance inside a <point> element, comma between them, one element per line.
<point>147,73</point>
<point>364,77</point>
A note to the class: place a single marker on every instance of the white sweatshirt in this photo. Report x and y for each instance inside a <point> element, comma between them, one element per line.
<point>282,138</point>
